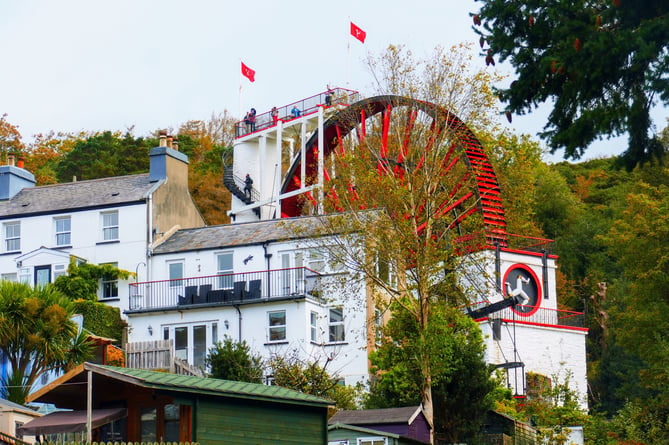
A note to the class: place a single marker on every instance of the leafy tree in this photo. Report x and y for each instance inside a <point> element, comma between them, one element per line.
<point>230,360</point>
<point>83,279</point>
<point>551,408</point>
<point>462,382</point>
<point>312,378</point>
<point>603,64</point>
<point>37,335</point>
<point>43,155</point>
<point>407,185</point>
<point>105,155</point>
<point>10,138</point>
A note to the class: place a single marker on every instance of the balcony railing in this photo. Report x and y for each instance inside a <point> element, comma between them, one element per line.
<point>337,96</point>
<point>234,288</point>
<point>542,316</point>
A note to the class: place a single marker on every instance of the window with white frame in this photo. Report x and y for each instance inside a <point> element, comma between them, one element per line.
<point>175,272</point>
<point>109,284</point>
<point>110,226</point>
<point>58,270</point>
<point>12,236</point>
<point>336,324</point>
<point>372,441</point>
<point>10,276</point>
<point>276,325</point>
<point>63,231</point>
<point>224,267</point>
<point>386,271</point>
<point>314,326</point>
<point>25,275</point>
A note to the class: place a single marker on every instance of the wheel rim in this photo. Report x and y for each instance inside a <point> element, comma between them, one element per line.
<point>480,191</point>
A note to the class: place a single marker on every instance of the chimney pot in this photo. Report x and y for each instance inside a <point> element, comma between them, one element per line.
<point>175,143</point>
<point>163,138</point>
<point>169,141</point>
<point>20,163</point>
<point>10,160</point>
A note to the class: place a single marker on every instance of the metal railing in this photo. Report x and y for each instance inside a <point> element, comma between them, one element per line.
<point>543,316</point>
<point>234,288</point>
<point>337,96</point>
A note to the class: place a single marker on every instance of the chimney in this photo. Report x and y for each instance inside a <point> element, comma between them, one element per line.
<point>175,143</point>
<point>10,159</point>
<point>169,141</point>
<point>14,179</point>
<point>167,162</point>
<point>163,138</point>
<point>20,163</point>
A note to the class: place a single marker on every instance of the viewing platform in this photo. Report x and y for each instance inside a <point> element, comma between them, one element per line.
<point>336,97</point>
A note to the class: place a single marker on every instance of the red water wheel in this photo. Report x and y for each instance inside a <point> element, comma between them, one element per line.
<point>403,133</point>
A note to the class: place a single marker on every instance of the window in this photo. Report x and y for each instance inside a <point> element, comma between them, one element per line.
<point>181,342</point>
<point>372,441</point>
<point>378,326</point>
<point>277,325</point>
<point>386,271</point>
<point>336,324</point>
<point>224,267</point>
<point>110,284</point>
<point>110,226</point>
<point>9,276</point>
<point>62,231</point>
<point>13,237</point>
<point>176,273</point>
<point>199,345</point>
<point>314,326</point>
<point>214,333</point>
<point>58,270</point>
<point>24,275</point>
<point>316,260</point>
<point>171,416</point>
<point>148,424</point>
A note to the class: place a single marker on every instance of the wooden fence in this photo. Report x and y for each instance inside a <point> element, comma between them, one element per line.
<point>157,355</point>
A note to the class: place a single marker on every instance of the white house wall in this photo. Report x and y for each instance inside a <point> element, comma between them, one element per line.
<point>347,359</point>
<point>86,241</point>
<point>556,353</point>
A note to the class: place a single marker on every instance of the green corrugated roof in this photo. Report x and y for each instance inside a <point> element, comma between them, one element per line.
<point>209,386</point>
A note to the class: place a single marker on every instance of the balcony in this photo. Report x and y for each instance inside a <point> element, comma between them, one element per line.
<point>338,96</point>
<point>224,289</point>
<point>540,317</point>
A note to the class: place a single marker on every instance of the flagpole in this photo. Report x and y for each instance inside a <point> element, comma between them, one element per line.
<point>348,55</point>
<point>240,89</point>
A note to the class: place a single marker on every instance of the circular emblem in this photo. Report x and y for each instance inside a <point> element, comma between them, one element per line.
<point>522,283</point>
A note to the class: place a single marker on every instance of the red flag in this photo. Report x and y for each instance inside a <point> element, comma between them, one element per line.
<point>358,33</point>
<point>248,73</point>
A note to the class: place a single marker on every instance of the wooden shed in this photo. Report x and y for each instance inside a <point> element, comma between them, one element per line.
<point>147,406</point>
<point>408,422</point>
<point>341,434</point>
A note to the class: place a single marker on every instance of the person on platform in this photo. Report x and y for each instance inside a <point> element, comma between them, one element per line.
<point>328,96</point>
<point>248,185</point>
<point>295,111</point>
<point>275,115</point>
<point>252,119</point>
<point>247,122</point>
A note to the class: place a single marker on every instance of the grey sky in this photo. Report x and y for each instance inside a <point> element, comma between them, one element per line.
<point>73,65</point>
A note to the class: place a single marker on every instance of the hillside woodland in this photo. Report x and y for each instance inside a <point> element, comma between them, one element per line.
<point>610,228</point>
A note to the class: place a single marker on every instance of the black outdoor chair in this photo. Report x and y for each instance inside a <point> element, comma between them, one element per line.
<point>239,290</point>
<point>201,297</point>
<point>254,290</point>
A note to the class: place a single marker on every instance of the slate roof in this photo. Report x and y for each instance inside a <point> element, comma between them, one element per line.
<point>230,235</point>
<point>375,416</point>
<point>70,196</point>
